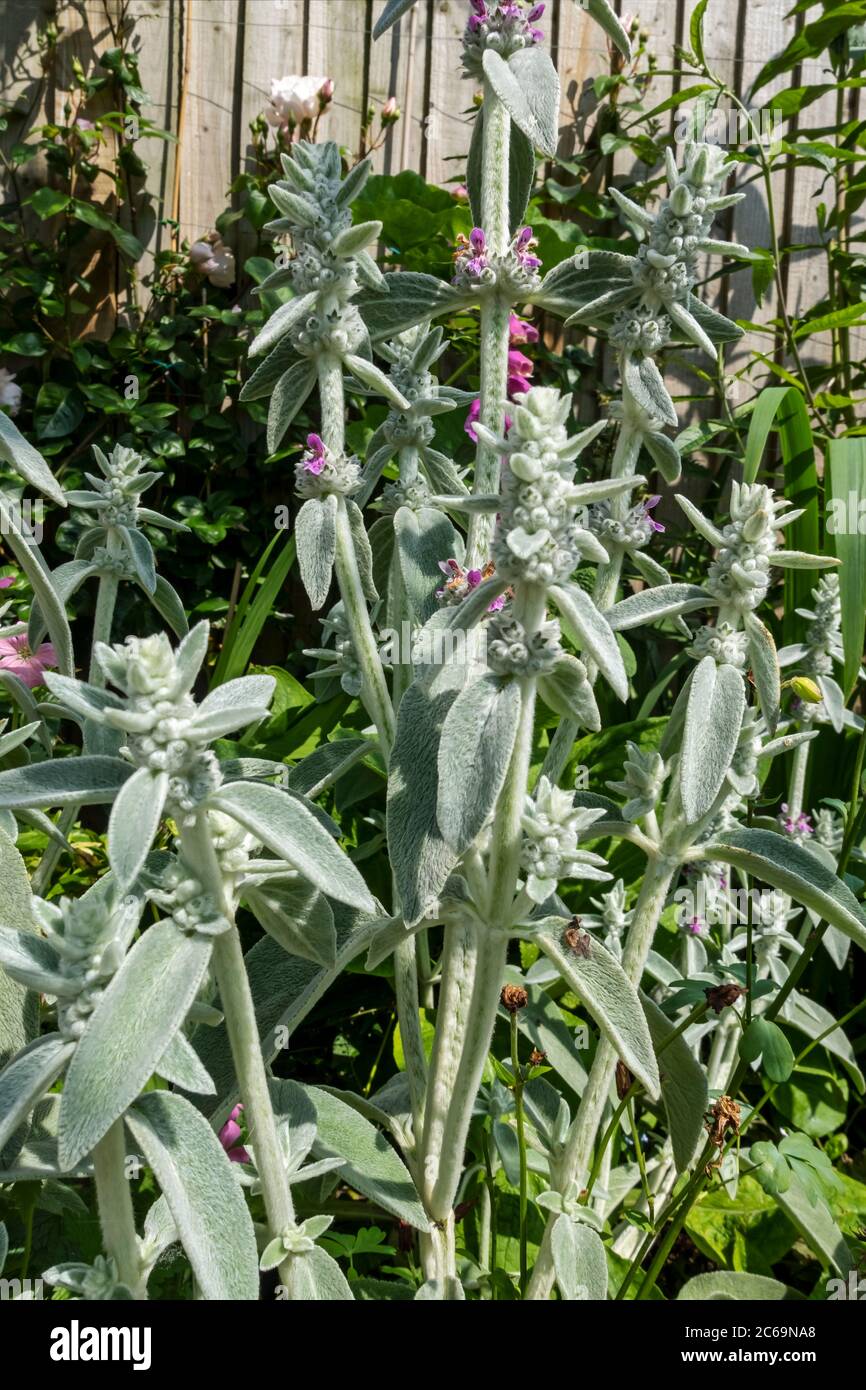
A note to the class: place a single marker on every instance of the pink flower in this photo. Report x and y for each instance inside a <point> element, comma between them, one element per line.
<point>17,658</point>
<point>460,192</point>
<point>390,111</point>
<point>648,505</point>
<point>214,259</point>
<point>519,331</point>
<point>229,1135</point>
<point>297,99</point>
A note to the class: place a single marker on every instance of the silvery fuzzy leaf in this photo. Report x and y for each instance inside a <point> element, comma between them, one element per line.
<point>765,668</point>
<point>568,692</point>
<point>643,381</point>
<point>80,698</point>
<point>650,605</point>
<point>602,13</point>
<point>684,1087</point>
<point>67,580</point>
<point>363,550</point>
<point>410,298</point>
<point>475,749</point>
<point>592,631</point>
<point>368,273</point>
<point>788,742</point>
<point>316,541</point>
<point>421,858</point>
<point>834,701</point>
<point>690,328</point>
<point>442,473</point>
<point>282,822</point>
<point>180,1066</point>
<point>528,87</point>
<point>317,1277</point>
<point>9,825</point>
<point>733,1284</point>
<point>713,718</point>
<point>300,210</point>
<point>353,239</point>
<point>369,1163</point>
<point>202,1192</point>
<point>649,570</point>
<point>20,454</point>
<point>370,375</point>
<point>190,654</point>
<point>280,322</point>
<point>521,172</point>
<point>354,182</point>
<point>389,935</point>
<point>325,760</point>
<point>795,870</point>
<point>83,781</point>
<point>51,605</point>
<point>664,454</point>
<point>169,606</point>
<point>34,963</point>
<point>573,286</point>
<point>18,1008</point>
<point>16,737</point>
<point>472,503</point>
<point>133,823</point>
<point>140,552</point>
<point>579,1259</point>
<point>27,1077</point>
<point>298,917</point>
<point>715,325</point>
<point>233,700</point>
<point>608,994</point>
<point>800,560</point>
<point>704,527</point>
<point>128,1033</point>
<point>289,394</point>
<point>160,1232</point>
<point>423,539</point>
<point>266,375</point>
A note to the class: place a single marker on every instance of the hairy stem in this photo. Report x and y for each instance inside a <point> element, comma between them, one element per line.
<point>116,1214</point>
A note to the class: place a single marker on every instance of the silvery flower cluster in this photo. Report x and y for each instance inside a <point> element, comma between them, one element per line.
<point>552,828</point>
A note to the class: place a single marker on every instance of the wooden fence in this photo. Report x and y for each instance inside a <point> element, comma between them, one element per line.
<point>207,67</point>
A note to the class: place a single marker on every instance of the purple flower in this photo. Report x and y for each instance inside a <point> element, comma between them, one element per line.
<point>523,246</point>
<point>229,1135</point>
<point>799,825</point>
<point>314,459</point>
<point>697,927</point>
<point>519,331</point>
<point>648,505</point>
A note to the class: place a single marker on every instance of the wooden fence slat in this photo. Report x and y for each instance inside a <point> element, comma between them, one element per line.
<point>207,153</point>
<point>273,47</point>
<point>337,45</point>
<point>449,128</point>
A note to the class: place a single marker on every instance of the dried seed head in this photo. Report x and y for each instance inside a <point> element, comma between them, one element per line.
<point>536,1058</point>
<point>722,1116</point>
<point>723,996</point>
<point>624,1080</point>
<point>513,998</point>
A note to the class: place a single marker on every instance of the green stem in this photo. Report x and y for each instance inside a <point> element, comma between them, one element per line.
<point>116,1213</point>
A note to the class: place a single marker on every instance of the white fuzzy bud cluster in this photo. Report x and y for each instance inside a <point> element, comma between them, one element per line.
<point>503,28</point>
<point>829,829</point>
<point>511,650</point>
<point>633,532</point>
<point>552,826</point>
<point>315,216</point>
<point>90,940</point>
<point>739,576</point>
<point>320,472</point>
<point>411,356</point>
<point>185,900</point>
<point>413,495</point>
<point>335,332</point>
<point>96,1283</point>
<point>114,497</point>
<point>640,329</point>
<point>538,539</point>
<point>823,635</point>
<point>612,917</point>
<point>665,268</point>
<point>725,644</point>
<point>340,658</point>
<point>643,778</point>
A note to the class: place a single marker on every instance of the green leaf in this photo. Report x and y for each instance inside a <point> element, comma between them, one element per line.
<point>474,756</point>
<point>317,1277</point>
<point>370,1164</point>
<point>254,609</point>
<point>776,860</point>
<point>280,820</point>
<point>24,1081</point>
<point>19,1010</point>
<point>59,410</point>
<point>47,202</point>
<point>298,917</point>
<point>602,13</point>
<point>696,30</point>
<point>127,1034</point>
<point>579,1260</point>
<point>846,524</point>
<point>203,1194</point>
<point>391,13</point>
<point>289,394</point>
<point>765,668</point>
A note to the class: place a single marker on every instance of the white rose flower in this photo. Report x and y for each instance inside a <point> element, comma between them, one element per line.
<point>10,393</point>
<point>295,99</point>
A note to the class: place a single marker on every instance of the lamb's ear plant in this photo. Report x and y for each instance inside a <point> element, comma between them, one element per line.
<point>471,608</point>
